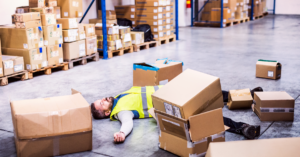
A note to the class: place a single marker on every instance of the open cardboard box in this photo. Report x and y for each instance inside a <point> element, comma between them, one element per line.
<point>238,99</point>
<point>192,136</point>
<point>162,71</point>
<point>52,126</point>
<point>268,69</point>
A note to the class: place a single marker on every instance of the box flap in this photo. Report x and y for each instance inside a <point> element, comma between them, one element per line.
<point>74,91</point>
<point>277,95</point>
<point>240,95</point>
<point>145,66</point>
<point>206,124</point>
<point>53,116</point>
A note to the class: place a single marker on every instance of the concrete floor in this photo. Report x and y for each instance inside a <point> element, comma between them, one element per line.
<point>229,53</point>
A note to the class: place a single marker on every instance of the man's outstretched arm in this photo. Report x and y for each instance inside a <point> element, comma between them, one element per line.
<point>126,118</point>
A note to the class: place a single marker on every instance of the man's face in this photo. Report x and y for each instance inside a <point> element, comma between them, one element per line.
<point>103,104</point>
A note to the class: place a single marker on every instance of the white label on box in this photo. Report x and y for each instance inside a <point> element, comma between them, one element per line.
<point>133,22</point>
<point>160,9</point>
<point>155,29</point>
<point>41,43</point>
<point>60,60</point>
<point>163,82</point>
<point>224,20</point>
<point>73,38</point>
<point>161,34</point>
<point>155,17</point>
<point>82,50</point>
<point>66,39</point>
<point>28,66</point>
<point>25,46</point>
<point>8,64</point>
<point>160,16</point>
<point>168,32</point>
<point>228,11</point>
<point>38,57</point>
<point>132,16</point>
<point>1,70</point>
<point>60,40</point>
<point>90,30</point>
<point>82,36</point>
<point>177,112</point>
<point>155,11</point>
<point>66,14</point>
<point>155,36</point>
<point>168,26</point>
<point>95,49</point>
<point>18,67</point>
<point>45,64</point>
<point>168,108</point>
<point>155,3</point>
<point>160,22</point>
<point>278,110</point>
<point>168,15</point>
<point>133,41</point>
<point>118,44</point>
<point>168,8</point>
<point>224,25</point>
<point>46,42</point>
<point>132,9</point>
<point>54,54</point>
<point>58,16</point>
<point>73,23</point>
<point>270,73</point>
<point>80,14</point>
<point>168,20</point>
<point>127,37</point>
<point>160,28</point>
<point>154,23</point>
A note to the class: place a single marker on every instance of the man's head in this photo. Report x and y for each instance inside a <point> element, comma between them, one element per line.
<point>102,108</point>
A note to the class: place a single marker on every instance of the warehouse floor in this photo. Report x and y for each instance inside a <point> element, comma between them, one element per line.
<point>229,53</point>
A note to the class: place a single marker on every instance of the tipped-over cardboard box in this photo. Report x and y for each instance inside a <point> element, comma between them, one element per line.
<point>238,99</point>
<point>190,137</point>
<point>12,64</point>
<point>274,106</point>
<point>163,70</point>
<point>188,94</point>
<point>278,147</point>
<point>268,69</point>
<point>52,126</point>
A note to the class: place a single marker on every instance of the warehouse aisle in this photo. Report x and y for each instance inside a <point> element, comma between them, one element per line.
<point>229,53</point>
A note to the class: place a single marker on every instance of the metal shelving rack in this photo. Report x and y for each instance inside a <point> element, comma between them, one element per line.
<point>104,31</point>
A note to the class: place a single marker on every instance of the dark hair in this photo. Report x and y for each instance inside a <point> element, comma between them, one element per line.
<point>96,113</point>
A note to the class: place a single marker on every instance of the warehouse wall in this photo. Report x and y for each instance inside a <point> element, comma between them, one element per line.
<point>8,7</point>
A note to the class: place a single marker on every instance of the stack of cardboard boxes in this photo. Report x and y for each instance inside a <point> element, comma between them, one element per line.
<point>125,36</point>
<point>259,7</point>
<point>113,38</point>
<point>127,12</point>
<point>137,38</point>
<point>212,11</point>
<point>91,38</point>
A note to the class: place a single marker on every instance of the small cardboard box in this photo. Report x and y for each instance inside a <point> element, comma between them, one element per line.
<point>154,16</point>
<point>89,29</point>
<point>188,94</point>
<point>142,10</point>
<point>238,99</point>
<point>58,125</point>
<point>52,34</point>
<point>48,19</point>
<point>46,10</point>
<point>74,50</point>
<point>268,69</point>
<point>125,8</point>
<point>33,58</point>
<point>51,3</point>
<point>28,24</point>
<point>70,8</point>
<point>99,21</point>
<point>260,148</point>
<point>57,12</point>
<point>137,37</point>
<point>22,9</point>
<point>70,35</point>
<point>68,23</point>
<point>110,14</point>
<point>124,30</point>
<point>149,3</point>
<point>190,137</point>
<point>36,3</point>
<point>163,70</point>
<point>151,22</point>
<point>12,64</point>
<point>91,45</point>
<point>25,17</point>
<point>55,54</point>
<point>274,106</point>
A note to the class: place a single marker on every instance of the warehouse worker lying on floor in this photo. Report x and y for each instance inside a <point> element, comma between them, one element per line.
<point>136,102</point>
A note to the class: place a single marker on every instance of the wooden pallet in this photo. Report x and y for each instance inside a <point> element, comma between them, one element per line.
<point>48,70</point>
<point>22,75</point>
<point>258,17</point>
<point>82,60</point>
<point>214,24</point>
<point>128,49</point>
<point>146,45</point>
<point>238,21</point>
<point>265,13</point>
<point>166,40</point>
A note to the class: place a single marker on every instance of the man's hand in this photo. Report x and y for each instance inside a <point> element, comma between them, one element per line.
<point>119,137</point>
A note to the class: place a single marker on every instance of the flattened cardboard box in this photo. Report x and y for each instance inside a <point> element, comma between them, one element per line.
<point>151,22</point>
<point>52,126</point>
<point>55,54</point>
<point>187,137</point>
<point>278,147</point>
<point>12,64</point>
<point>68,23</point>
<point>274,106</point>
<point>238,99</point>
<point>152,16</point>
<point>268,69</point>
<point>145,74</point>
<point>52,34</point>
<point>74,50</point>
<point>33,58</point>
<point>125,8</point>
<point>70,8</point>
<point>141,10</point>
<point>190,93</point>
<point>149,3</point>
<point>159,34</point>
<point>156,29</point>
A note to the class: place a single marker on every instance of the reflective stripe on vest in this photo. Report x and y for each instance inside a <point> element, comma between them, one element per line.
<point>144,100</point>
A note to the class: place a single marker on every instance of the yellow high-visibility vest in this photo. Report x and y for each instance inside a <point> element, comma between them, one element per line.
<point>138,98</point>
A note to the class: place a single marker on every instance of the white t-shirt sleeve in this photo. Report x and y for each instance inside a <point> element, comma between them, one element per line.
<point>126,118</point>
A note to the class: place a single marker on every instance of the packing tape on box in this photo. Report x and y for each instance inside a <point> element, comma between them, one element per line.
<point>215,136</point>
<point>276,110</point>
<point>198,155</point>
<point>192,144</point>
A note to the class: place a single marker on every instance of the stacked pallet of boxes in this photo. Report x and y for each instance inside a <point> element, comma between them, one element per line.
<point>125,36</point>
<point>259,7</point>
<point>241,11</point>
<point>126,12</point>
<point>88,31</point>
<point>170,20</point>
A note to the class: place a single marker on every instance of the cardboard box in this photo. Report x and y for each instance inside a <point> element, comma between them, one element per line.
<point>108,22</point>
<point>48,19</point>
<point>33,58</point>
<point>137,37</point>
<point>274,106</point>
<point>1,65</point>
<point>206,16</point>
<point>111,30</point>
<point>160,34</point>
<point>188,94</point>
<point>36,3</point>
<point>188,137</point>
<point>57,12</point>
<point>109,37</point>
<point>27,17</point>
<point>216,12</point>
<point>22,9</point>
<point>54,54</point>
<point>91,45</point>
<point>70,35</point>
<point>125,8</point>
<point>70,8</point>
<point>12,64</point>
<point>45,10</point>
<point>169,15</point>
<point>169,8</point>
<point>51,3</point>
<point>74,50</point>
<point>155,29</point>
<point>52,34</point>
<point>29,24</point>
<point>22,38</point>
<point>89,29</point>
<point>170,20</point>
<point>110,14</point>
<point>238,99</point>
<point>125,38</point>
<point>142,10</point>
<point>126,15</point>
<point>81,32</point>
<point>68,23</point>
<point>149,3</point>
<point>62,126</point>
<point>263,148</point>
<point>127,44</point>
<point>162,71</point>
<point>268,69</point>
<point>151,22</point>
<point>152,16</point>
<point>124,30</point>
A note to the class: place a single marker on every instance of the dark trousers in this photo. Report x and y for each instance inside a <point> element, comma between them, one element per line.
<point>235,127</point>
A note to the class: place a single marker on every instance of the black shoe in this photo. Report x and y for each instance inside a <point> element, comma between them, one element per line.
<point>257,89</point>
<point>249,131</point>
<point>257,130</point>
